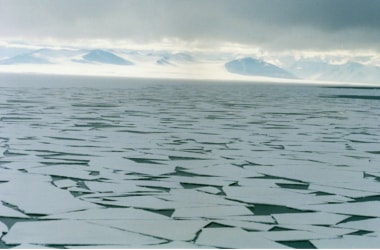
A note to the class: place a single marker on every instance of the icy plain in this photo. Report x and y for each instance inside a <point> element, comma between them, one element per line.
<point>126,163</point>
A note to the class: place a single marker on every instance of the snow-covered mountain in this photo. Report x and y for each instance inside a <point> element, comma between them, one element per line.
<point>150,63</point>
<point>26,58</point>
<point>103,57</point>
<point>254,67</point>
<point>41,56</point>
<point>346,72</point>
<point>173,59</point>
<point>11,52</point>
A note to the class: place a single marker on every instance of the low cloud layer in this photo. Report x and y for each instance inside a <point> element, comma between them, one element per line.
<point>270,24</point>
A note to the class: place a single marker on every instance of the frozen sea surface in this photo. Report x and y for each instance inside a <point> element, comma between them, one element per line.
<point>124,163</point>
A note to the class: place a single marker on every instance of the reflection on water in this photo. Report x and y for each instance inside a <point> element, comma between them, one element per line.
<point>110,163</point>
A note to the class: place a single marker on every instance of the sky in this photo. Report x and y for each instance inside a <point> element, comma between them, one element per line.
<point>275,25</point>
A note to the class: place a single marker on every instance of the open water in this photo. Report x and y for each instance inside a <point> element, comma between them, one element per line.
<point>130,163</point>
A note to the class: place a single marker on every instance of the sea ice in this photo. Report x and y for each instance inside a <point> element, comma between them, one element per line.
<point>77,172</point>
<point>11,213</point>
<point>178,230</point>
<point>136,201</point>
<point>69,232</point>
<point>368,208</point>
<point>368,225</point>
<point>210,212</point>
<point>234,238</point>
<point>40,198</point>
<point>3,228</point>
<point>317,218</point>
<point>292,235</point>
<point>333,231</point>
<point>348,242</point>
<point>65,183</point>
<point>109,214</point>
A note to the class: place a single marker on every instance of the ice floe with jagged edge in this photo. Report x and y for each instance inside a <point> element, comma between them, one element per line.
<point>70,232</point>
<point>252,170</point>
<point>40,197</point>
<point>234,238</point>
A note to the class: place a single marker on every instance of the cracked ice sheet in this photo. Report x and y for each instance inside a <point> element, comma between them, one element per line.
<point>169,245</point>
<point>30,246</point>
<point>181,230</point>
<point>348,241</point>
<point>348,192</point>
<point>292,235</point>
<point>109,214</point>
<point>9,212</point>
<point>317,218</point>
<point>234,238</point>
<point>333,231</point>
<point>70,232</point>
<point>206,181</point>
<point>249,225</point>
<point>179,245</point>
<point>226,171</point>
<point>193,198</point>
<point>319,175</point>
<point>3,228</point>
<point>138,201</point>
<point>34,197</point>
<point>66,183</point>
<point>9,175</point>
<point>272,196</point>
<point>78,172</point>
<point>368,225</point>
<point>367,208</point>
<point>210,212</point>
<point>116,187</point>
<point>266,219</point>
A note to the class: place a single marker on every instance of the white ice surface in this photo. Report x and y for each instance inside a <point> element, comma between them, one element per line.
<point>65,183</point>
<point>3,228</point>
<point>292,235</point>
<point>333,231</point>
<point>210,212</point>
<point>67,232</point>
<point>275,196</point>
<point>31,246</point>
<point>9,212</point>
<point>309,218</point>
<point>348,242</point>
<point>109,214</point>
<point>368,224</point>
<point>248,225</point>
<point>206,152</point>
<point>234,238</point>
<point>368,208</point>
<point>40,198</point>
<point>116,187</point>
<point>182,230</point>
<point>139,201</point>
<point>79,172</point>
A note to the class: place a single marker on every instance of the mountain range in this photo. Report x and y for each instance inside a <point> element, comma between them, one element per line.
<point>254,67</point>
<point>183,63</point>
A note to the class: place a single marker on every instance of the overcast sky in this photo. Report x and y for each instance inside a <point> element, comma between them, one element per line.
<point>269,24</point>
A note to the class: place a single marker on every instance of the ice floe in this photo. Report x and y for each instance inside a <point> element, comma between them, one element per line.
<point>40,198</point>
<point>68,232</point>
<point>234,238</point>
<point>159,164</point>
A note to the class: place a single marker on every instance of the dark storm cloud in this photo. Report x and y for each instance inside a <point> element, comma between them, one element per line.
<point>280,24</point>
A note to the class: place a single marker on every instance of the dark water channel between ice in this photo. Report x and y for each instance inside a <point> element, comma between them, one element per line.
<point>127,163</point>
